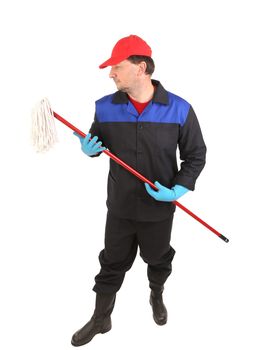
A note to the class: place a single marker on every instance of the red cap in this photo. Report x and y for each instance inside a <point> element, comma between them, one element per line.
<point>125,47</point>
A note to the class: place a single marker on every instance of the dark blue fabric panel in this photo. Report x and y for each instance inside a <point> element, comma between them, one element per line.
<point>175,112</point>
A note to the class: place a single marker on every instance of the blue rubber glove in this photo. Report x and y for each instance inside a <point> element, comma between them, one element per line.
<point>90,147</point>
<point>165,194</point>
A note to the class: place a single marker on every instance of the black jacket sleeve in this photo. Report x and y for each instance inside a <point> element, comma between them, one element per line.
<point>96,131</point>
<point>192,151</point>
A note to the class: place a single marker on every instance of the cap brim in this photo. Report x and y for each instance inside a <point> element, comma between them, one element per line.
<point>112,61</point>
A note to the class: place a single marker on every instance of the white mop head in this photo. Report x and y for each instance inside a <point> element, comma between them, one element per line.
<point>44,134</point>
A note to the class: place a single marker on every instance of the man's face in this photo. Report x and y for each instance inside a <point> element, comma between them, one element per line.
<point>125,75</point>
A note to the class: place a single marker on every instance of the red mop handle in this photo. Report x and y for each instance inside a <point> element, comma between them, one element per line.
<point>141,177</point>
<point>112,156</point>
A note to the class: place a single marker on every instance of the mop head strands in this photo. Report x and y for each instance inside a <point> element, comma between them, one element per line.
<point>43,132</point>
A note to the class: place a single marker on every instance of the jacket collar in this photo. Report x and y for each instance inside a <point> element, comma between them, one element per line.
<point>160,95</point>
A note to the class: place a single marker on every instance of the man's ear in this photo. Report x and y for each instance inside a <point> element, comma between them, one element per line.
<point>142,68</point>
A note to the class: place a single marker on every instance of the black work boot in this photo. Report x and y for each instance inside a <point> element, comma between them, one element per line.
<point>160,314</point>
<point>100,322</point>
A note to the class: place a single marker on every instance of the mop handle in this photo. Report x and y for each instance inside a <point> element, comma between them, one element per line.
<point>141,177</point>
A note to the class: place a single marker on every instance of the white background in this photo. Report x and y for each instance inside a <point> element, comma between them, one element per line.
<point>53,205</point>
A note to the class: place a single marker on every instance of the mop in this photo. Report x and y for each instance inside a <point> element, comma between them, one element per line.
<point>44,136</point>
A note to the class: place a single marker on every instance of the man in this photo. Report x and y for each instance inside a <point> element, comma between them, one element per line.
<point>142,124</point>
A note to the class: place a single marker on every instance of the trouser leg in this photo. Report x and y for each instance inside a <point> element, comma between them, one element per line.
<point>118,254</point>
<point>158,272</point>
<point>155,249</point>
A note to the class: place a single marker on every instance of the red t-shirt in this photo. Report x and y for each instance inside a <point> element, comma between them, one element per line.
<point>138,105</point>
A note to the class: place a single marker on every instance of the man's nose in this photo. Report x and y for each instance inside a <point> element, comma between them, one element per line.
<point>112,74</point>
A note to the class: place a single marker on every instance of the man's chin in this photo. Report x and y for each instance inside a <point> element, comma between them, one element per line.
<point>122,89</point>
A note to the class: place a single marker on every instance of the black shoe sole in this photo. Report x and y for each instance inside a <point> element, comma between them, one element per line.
<point>88,340</point>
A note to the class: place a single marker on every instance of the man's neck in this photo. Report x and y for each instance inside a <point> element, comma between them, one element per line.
<point>143,92</point>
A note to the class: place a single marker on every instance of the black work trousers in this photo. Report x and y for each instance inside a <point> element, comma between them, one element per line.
<point>122,239</point>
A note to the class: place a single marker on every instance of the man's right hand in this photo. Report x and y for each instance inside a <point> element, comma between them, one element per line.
<point>90,147</point>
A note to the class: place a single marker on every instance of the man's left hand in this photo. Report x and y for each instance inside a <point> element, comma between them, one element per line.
<point>165,194</point>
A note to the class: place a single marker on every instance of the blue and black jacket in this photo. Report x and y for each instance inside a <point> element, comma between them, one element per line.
<point>148,143</point>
